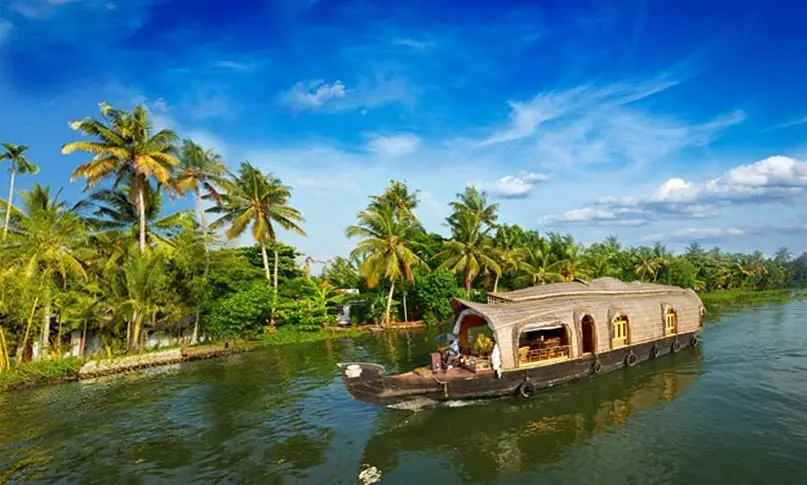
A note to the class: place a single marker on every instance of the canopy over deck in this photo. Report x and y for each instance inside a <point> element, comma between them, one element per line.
<point>599,286</point>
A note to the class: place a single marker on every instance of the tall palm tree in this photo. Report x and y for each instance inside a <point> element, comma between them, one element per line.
<point>261,200</point>
<point>201,170</point>
<point>127,150</point>
<point>469,253</point>
<point>47,239</point>
<point>472,201</point>
<point>388,248</point>
<point>15,154</point>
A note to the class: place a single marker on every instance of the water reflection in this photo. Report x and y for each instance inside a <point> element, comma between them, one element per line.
<point>496,438</point>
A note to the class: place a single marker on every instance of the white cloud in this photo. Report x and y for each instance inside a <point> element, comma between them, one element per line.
<point>787,124</point>
<point>393,146</point>
<point>774,179</point>
<point>313,94</point>
<point>518,186</point>
<point>698,234</point>
<point>317,95</point>
<point>40,9</point>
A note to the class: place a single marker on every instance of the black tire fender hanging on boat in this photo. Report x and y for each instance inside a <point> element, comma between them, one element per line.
<point>526,389</point>
<point>695,341</point>
<point>676,346</point>
<point>654,351</point>
<point>630,359</point>
<point>596,367</point>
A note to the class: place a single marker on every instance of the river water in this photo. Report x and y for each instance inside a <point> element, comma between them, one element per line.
<point>733,411</point>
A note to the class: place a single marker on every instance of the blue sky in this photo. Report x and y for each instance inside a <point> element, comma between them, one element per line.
<point>671,121</point>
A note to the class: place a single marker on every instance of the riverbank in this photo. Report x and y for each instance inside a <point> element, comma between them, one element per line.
<point>33,374</point>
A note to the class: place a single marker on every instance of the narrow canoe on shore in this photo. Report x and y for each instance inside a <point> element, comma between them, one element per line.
<point>526,340</point>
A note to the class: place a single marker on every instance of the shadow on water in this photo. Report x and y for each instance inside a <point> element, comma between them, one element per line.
<point>493,438</point>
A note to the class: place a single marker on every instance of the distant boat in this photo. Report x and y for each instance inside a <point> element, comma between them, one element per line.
<point>539,337</point>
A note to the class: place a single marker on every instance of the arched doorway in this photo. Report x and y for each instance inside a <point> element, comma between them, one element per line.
<point>587,327</point>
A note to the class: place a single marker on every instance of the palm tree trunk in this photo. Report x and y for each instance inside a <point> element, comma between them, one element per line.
<point>129,340</point>
<point>21,353</point>
<point>406,316</point>
<point>83,345</point>
<point>496,284</point>
<point>10,201</point>
<point>141,208</point>
<point>274,294</point>
<point>389,303</point>
<point>203,223</point>
<point>135,342</point>
<point>5,363</point>
<point>265,261</point>
<point>468,283</point>
<point>45,329</point>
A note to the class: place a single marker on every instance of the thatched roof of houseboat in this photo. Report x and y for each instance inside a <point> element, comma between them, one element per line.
<point>603,286</point>
<point>545,301</point>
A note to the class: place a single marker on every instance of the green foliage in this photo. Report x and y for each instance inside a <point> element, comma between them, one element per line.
<point>432,296</point>
<point>33,373</point>
<point>244,313</point>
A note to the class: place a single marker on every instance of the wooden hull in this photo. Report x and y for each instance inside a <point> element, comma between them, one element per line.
<point>368,383</point>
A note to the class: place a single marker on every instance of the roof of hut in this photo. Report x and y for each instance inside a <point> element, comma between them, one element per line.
<point>604,286</point>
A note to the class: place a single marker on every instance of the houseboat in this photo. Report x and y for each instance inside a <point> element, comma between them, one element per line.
<point>522,341</point>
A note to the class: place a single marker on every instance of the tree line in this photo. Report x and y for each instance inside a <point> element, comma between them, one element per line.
<point>119,265</point>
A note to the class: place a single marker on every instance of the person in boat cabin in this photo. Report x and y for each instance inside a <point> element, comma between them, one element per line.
<point>496,360</point>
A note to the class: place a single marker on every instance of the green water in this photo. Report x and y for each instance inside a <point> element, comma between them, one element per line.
<point>734,411</point>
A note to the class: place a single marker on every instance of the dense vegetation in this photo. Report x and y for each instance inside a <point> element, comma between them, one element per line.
<point>117,264</point>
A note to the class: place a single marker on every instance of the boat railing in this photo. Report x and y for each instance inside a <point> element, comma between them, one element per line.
<point>549,353</point>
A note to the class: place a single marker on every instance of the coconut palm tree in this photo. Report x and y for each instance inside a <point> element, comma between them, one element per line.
<point>387,248</point>
<point>263,201</point>
<point>126,149</point>
<point>15,154</point>
<point>506,251</point>
<point>538,268</point>
<point>397,195</point>
<point>47,239</point>
<point>145,283</point>
<point>469,253</point>
<point>201,171</point>
<point>472,201</point>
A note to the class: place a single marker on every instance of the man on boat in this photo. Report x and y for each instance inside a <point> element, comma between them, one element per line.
<point>496,361</point>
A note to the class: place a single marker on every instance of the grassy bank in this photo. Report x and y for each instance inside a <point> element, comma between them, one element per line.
<point>286,335</point>
<point>720,301</point>
<point>32,374</point>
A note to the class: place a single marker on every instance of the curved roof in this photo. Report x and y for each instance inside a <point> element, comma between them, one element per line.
<point>604,286</point>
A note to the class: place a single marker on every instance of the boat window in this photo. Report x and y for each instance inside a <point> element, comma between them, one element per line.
<point>620,335</point>
<point>587,329</point>
<point>548,344</point>
<point>670,321</point>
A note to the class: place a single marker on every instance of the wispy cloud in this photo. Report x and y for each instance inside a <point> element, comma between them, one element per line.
<point>414,44</point>
<point>594,125</point>
<point>5,31</point>
<point>318,95</point>
<point>313,94</point>
<point>519,186</point>
<point>393,146</point>
<point>774,179</point>
<point>788,124</point>
<point>710,234</point>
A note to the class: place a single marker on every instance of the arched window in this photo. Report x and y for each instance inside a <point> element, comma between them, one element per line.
<point>670,321</point>
<point>621,333</point>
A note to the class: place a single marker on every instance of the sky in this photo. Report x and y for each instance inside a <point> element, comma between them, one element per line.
<point>652,121</point>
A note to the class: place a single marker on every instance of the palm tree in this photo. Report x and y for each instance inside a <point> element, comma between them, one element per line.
<point>201,170</point>
<point>47,238</point>
<point>538,267</point>
<point>19,164</point>
<point>398,196</point>
<point>573,263</point>
<point>127,151</point>
<point>506,251</point>
<point>145,283</point>
<point>473,202</point>
<point>388,248</point>
<point>260,200</point>
<point>469,253</point>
